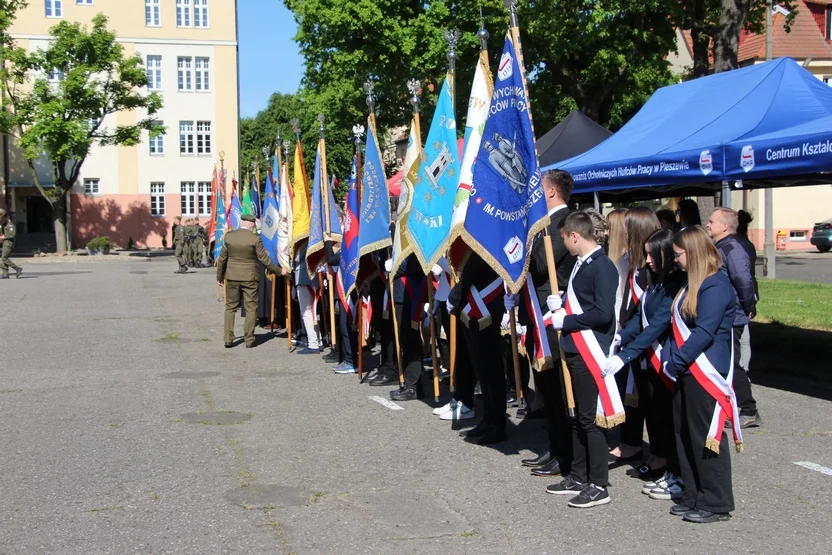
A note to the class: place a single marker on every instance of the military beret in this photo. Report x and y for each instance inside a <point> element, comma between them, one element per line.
<point>247,217</point>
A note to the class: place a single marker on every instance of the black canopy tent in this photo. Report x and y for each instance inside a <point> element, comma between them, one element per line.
<point>574,135</point>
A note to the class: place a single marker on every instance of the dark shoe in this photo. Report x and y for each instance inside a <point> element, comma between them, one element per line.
<point>229,344</point>
<point>332,357</point>
<point>705,517</point>
<point>384,378</point>
<point>4,276</point>
<point>537,413</point>
<point>751,421</point>
<point>250,345</point>
<point>567,486</point>
<point>612,459</point>
<point>591,496</point>
<point>308,351</point>
<point>407,394</point>
<point>492,435</point>
<point>550,469</point>
<point>679,509</point>
<point>17,274</point>
<point>476,431</point>
<point>644,472</point>
<point>540,460</point>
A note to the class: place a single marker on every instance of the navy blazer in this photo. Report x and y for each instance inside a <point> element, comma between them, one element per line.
<point>635,338</point>
<point>711,329</point>
<point>594,286</point>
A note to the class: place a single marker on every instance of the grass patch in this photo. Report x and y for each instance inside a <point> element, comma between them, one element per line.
<point>169,337</point>
<point>10,390</point>
<point>316,496</point>
<point>794,303</point>
<point>470,533</point>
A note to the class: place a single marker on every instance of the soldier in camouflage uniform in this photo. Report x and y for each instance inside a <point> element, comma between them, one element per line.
<point>202,243</point>
<point>186,242</point>
<point>179,244</point>
<point>7,235</point>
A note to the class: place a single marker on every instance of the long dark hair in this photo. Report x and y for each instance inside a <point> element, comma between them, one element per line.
<point>660,248</point>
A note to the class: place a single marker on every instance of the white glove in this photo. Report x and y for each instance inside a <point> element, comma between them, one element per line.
<point>616,342</point>
<point>388,265</point>
<point>554,302</point>
<point>505,322</point>
<point>557,319</point>
<point>613,365</point>
<point>510,301</point>
<point>437,270</point>
<point>449,306</point>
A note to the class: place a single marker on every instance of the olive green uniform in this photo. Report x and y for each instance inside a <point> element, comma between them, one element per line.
<point>187,247</point>
<point>201,243</point>
<point>9,233</point>
<point>179,246</point>
<point>238,266</point>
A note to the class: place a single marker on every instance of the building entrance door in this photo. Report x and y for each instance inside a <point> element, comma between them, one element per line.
<point>38,215</point>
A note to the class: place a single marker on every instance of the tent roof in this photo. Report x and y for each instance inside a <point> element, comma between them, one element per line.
<point>574,135</point>
<point>680,135</point>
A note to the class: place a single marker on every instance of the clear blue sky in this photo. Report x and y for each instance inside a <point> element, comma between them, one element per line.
<point>269,58</point>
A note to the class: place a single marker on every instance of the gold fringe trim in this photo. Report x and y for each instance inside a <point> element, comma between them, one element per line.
<point>609,422</point>
<point>740,447</point>
<point>631,399</point>
<point>712,444</point>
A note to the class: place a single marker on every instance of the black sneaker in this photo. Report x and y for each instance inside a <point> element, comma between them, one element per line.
<point>679,509</point>
<point>476,431</point>
<point>700,516</point>
<point>18,272</point>
<point>567,486</point>
<point>751,421</point>
<point>591,496</point>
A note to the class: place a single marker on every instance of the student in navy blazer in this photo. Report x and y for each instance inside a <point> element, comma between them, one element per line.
<point>707,307</point>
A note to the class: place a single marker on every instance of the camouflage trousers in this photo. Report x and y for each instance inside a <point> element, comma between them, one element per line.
<point>6,263</point>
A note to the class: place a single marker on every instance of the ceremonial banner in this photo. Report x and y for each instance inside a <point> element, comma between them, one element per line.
<point>478,106</point>
<point>429,219</point>
<point>374,230</point>
<point>412,159</point>
<point>235,211</point>
<point>245,203</point>
<point>300,202</point>
<point>270,223</point>
<point>350,245</point>
<point>284,228</point>
<point>214,192</point>
<point>254,197</point>
<point>218,226</point>
<point>315,253</point>
<point>508,207</point>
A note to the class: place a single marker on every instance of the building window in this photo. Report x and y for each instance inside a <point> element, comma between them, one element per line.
<point>157,199</point>
<point>201,14</point>
<point>186,137</point>
<point>54,8</point>
<point>203,137</point>
<point>184,65</point>
<point>154,73</point>
<point>152,14</point>
<point>157,143</point>
<point>202,73</point>
<point>204,198</point>
<point>90,187</point>
<point>183,13</point>
<point>56,76</point>
<point>188,198</point>
<point>93,124</point>
<point>84,2</point>
<point>797,235</point>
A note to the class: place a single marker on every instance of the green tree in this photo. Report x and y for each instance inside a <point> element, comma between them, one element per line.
<point>65,120</point>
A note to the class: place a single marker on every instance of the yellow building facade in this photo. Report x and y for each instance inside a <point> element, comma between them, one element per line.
<point>189,48</point>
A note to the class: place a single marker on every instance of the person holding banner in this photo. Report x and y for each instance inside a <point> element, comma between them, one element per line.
<point>699,357</point>
<point>307,292</point>
<point>588,325</point>
<point>413,295</point>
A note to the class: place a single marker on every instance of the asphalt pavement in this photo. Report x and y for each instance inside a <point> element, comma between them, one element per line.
<point>128,428</point>
<point>811,266</point>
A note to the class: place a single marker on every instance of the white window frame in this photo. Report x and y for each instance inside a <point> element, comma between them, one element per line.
<point>187,138</point>
<point>201,20</point>
<point>54,9</point>
<point>157,198</point>
<point>152,13</point>
<point>56,76</point>
<point>183,14</point>
<point>203,191</point>
<point>84,2</point>
<point>185,73</point>
<point>92,186</point>
<point>202,74</point>
<point>154,72</point>
<point>156,145</point>
<point>203,137</point>
<point>799,235</point>
<point>187,195</point>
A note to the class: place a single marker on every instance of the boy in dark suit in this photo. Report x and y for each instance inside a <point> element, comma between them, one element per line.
<point>588,324</point>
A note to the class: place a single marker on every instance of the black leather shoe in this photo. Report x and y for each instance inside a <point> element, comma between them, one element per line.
<point>384,378</point>
<point>679,509</point>
<point>492,435</point>
<point>550,469</point>
<point>18,272</point>
<point>540,460</point>
<point>331,358</point>
<point>644,472</point>
<point>705,517</point>
<point>407,394</point>
<point>228,345</point>
<point>476,431</point>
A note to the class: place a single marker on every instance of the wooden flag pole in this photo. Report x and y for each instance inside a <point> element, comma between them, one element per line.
<point>429,286</point>
<point>360,305</point>
<point>452,339</point>
<point>328,229</point>
<point>288,312</point>
<point>395,317</point>
<point>515,356</point>
<point>547,239</point>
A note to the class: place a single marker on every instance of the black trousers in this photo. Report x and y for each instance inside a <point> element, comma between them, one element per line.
<point>589,446</point>
<point>463,372</point>
<point>742,385</point>
<point>347,337</point>
<point>383,326</point>
<point>707,475</point>
<point>411,344</point>
<point>485,355</point>
<point>632,431</point>
<point>659,418</point>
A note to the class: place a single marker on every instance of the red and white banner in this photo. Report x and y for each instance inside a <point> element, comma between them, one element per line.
<point>477,309</point>
<point>542,359</point>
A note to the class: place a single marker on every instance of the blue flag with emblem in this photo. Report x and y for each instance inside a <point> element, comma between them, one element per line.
<point>315,253</point>
<point>220,226</point>
<point>256,207</point>
<point>429,219</point>
<point>507,207</point>
<point>350,244</point>
<point>270,220</point>
<point>235,211</point>
<point>374,231</point>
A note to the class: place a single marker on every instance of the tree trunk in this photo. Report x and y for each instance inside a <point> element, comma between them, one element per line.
<point>701,39</point>
<point>59,219</point>
<point>727,36</point>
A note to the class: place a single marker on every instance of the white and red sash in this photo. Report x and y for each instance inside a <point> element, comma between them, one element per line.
<point>476,309</point>
<point>636,292</point>
<point>366,318</point>
<point>654,351</point>
<point>609,411</point>
<point>346,303</point>
<point>542,359</point>
<point>713,382</point>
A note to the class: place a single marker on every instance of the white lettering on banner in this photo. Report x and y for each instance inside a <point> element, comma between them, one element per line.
<point>806,149</point>
<point>782,154</point>
<point>629,171</point>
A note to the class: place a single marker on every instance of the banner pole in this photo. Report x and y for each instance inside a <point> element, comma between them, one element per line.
<point>288,312</point>
<point>432,320</point>
<point>328,229</point>
<point>515,357</point>
<point>359,305</point>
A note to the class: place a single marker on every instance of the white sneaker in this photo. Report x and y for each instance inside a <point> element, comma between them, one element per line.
<point>459,412</point>
<point>671,488</point>
<point>444,408</point>
<point>650,486</point>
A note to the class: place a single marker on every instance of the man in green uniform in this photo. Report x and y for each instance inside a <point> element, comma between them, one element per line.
<point>201,243</point>
<point>186,242</point>
<point>237,266</point>
<point>179,244</point>
<point>7,235</point>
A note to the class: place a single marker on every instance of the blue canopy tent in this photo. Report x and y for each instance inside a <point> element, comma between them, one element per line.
<point>690,137</point>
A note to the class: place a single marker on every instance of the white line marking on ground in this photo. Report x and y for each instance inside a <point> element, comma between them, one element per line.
<point>815,467</point>
<point>389,404</point>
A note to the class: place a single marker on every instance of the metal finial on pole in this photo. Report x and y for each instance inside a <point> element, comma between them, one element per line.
<point>286,145</point>
<point>277,140</point>
<point>369,88</point>
<point>414,87</point>
<point>452,37</point>
<point>265,151</point>
<point>512,10</point>
<point>321,127</point>
<point>358,132</point>
<point>296,128</point>
<point>483,35</point>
